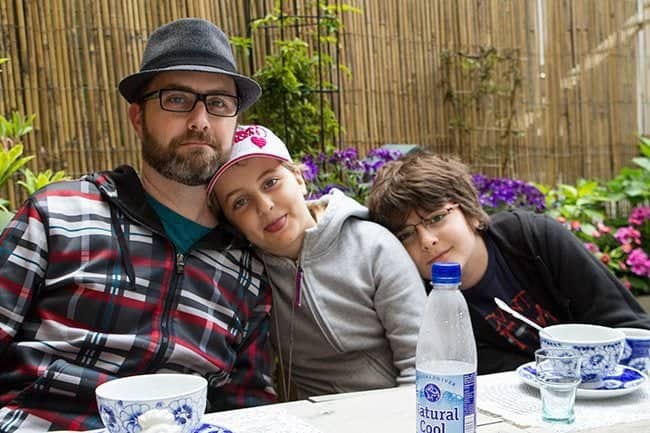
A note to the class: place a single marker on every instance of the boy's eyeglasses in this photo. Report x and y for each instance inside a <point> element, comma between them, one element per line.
<point>184,101</point>
<point>409,234</point>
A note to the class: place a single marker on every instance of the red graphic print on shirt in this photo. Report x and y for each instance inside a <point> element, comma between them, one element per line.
<point>516,332</point>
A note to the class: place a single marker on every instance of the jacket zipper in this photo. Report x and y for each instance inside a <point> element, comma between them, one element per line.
<point>173,285</point>
<point>166,316</point>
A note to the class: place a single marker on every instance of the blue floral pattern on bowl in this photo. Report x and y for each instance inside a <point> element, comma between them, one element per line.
<point>636,354</point>
<point>122,417</point>
<point>597,360</point>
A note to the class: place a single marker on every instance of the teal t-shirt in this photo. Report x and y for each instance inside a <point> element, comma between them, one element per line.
<point>181,231</point>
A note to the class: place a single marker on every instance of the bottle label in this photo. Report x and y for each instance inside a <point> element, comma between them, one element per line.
<point>445,403</point>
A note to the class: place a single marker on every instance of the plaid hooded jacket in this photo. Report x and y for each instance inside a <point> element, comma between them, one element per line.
<point>91,290</point>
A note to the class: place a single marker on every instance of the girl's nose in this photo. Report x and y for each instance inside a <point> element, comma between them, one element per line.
<point>265,204</point>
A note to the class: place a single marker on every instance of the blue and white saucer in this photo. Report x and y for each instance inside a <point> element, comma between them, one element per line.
<point>624,381</point>
<point>211,428</point>
<point>202,428</point>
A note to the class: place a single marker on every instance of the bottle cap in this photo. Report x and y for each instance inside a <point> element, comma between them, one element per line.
<point>445,273</point>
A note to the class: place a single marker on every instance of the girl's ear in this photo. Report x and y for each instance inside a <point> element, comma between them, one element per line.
<point>301,182</point>
<point>300,179</point>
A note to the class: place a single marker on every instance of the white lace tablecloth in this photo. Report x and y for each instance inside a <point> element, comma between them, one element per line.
<point>506,396</point>
<point>263,419</point>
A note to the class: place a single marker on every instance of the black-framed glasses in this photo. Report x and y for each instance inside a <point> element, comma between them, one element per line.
<point>184,101</point>
<point>409,233</point>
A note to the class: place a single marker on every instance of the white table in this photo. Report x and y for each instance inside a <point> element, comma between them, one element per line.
<point>381,411</point>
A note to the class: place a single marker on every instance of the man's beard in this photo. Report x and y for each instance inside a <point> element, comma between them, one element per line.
<point>192,168</point>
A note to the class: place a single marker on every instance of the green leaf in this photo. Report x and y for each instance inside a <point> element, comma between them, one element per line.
<point>33,182</point>
<point>11,161</point>
<point>594,215</point>
<point>588,229</point>
<point>645,146</point>
<point>642,162</point>
<point>569,191</point>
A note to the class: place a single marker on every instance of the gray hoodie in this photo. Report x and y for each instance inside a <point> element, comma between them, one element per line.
<point>361,302</point>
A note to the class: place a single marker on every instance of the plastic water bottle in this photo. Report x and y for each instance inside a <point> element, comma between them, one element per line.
<point>446,358</point>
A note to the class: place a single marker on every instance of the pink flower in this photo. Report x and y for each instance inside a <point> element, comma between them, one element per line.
<point>602,228</point>
<point>561,219</point>
<point>627,235</point>
<point>605,258</point>
<point>639,262</point>
<point>626,283</point>
<point>627,248</point>
<point>639,215</point>
<point>592,247</point>
<point>575,225</point>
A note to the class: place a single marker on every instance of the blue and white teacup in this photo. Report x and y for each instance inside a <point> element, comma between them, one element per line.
<point>601,348</point>
<point>636,353</point>
<point>173,403</point>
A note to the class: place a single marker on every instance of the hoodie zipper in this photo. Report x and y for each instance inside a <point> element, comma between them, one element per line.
<point>297,299</point>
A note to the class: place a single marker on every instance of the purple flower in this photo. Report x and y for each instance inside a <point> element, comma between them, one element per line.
<point>385,155</point>
<point>500,193</point>
<point>310,169</point>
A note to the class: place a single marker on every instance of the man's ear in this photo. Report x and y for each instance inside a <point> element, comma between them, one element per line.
<point>136,114</point>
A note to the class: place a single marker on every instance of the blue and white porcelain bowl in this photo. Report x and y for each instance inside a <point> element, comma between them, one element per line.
<point>173,403</point>
<point>601,348</point>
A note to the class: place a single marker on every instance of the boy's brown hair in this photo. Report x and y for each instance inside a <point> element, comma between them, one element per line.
<point>423,181</point>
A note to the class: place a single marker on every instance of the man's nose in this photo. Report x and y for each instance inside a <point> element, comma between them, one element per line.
<point>199,117</point>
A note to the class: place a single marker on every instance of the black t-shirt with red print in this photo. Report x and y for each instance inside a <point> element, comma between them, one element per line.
<point>499,282</point>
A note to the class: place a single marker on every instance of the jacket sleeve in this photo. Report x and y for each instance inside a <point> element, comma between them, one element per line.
<point>590,292</point>
<point>23,262</point>
<point>250,379</point>
<point>399,301</point>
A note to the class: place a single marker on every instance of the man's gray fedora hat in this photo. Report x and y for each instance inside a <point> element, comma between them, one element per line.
<point>189,44</point>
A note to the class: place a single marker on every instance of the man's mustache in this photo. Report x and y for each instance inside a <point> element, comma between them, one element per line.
<point>194,136</point>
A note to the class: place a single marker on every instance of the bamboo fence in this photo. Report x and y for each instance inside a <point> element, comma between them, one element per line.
<point>568,102</point>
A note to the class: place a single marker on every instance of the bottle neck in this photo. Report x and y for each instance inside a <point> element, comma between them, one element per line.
<point>445,286</point>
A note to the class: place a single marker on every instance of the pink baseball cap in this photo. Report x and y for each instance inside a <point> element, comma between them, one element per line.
<point>252,141</point>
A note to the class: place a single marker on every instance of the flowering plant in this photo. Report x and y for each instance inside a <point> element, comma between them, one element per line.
<point>623,246</point>
<point>500,193</point>
<point>344,170</point>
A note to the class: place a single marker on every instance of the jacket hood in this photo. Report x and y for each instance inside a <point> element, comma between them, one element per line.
<point>123,189</point>
<point>338,209</point>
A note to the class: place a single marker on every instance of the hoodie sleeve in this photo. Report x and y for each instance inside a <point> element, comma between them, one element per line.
<point>399,301</point>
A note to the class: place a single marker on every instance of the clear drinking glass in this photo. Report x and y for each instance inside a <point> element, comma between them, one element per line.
<point>558,376</point>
